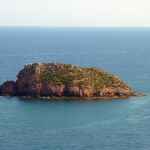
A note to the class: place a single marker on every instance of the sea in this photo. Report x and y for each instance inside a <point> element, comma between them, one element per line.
<point>77,124</point>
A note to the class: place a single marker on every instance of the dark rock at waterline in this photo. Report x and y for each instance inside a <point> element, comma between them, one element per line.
<point>8,88</point>
<point>63,80</point>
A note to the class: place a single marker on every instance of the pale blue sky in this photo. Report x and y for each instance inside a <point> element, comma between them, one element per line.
<point>74,12</point>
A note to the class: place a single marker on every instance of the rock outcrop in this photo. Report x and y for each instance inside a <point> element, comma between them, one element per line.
<point>63,80</point>
<point>8,88</point>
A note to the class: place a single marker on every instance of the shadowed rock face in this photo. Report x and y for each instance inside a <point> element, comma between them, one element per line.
<point>61,80</point>
<point>8,88</point>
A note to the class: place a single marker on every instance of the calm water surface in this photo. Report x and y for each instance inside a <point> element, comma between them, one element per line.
<point>77,124</point>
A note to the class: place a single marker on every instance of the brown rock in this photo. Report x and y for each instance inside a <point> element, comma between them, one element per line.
<point>8,88</point>
<point>61,80</point>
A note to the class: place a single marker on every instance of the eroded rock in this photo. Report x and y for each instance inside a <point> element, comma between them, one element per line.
<point>8,88</point>
<point>62,80</point>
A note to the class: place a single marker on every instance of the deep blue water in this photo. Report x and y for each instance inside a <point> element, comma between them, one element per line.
<point>77,124</point>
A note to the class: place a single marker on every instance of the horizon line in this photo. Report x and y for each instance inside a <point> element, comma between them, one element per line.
<point>47,26</point>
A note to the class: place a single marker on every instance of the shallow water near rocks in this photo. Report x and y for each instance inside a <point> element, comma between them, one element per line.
<point>77,124</point>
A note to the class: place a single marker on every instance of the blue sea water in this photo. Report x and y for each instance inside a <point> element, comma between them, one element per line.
<point>27,124</point>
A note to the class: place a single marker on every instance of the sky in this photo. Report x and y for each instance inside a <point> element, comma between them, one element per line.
<point>75,13</point>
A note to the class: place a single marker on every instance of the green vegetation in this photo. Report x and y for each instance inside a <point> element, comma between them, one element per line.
<point>81,77</point>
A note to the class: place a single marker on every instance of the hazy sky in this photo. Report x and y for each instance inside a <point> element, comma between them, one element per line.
<point>75,12</point>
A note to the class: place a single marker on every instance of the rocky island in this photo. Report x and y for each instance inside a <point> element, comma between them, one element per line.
<point>64,80</point>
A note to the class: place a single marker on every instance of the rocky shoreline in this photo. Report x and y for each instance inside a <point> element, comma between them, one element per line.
<point>51,80</point>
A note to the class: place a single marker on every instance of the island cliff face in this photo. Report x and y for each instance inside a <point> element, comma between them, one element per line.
<point>63,80</point>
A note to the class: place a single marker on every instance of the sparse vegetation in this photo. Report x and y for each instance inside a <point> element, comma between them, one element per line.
<point>81,77</point>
